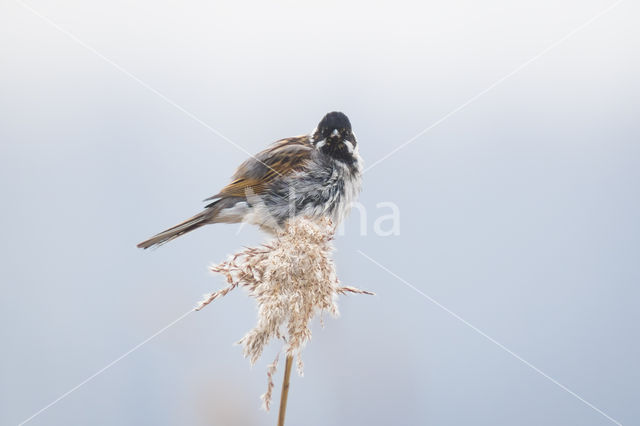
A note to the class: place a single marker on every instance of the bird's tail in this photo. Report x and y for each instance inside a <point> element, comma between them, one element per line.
<point>188,225</point>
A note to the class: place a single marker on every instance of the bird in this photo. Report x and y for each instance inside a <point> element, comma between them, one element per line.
<point>318,175</point>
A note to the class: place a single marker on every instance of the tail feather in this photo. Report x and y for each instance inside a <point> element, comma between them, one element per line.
<point>182,228</point>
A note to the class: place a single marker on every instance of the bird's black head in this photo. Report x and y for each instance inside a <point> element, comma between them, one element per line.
<point>334,137</point>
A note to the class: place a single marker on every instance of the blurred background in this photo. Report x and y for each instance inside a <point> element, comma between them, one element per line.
<point>519,213</point>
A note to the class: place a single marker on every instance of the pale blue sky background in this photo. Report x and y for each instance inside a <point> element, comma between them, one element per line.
<point>520,213</point>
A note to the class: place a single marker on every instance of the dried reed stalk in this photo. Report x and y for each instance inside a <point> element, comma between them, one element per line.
<point>284,393</point>
<point>292,278</point>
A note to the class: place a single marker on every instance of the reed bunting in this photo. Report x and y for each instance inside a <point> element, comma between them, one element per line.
<point>317,175</point>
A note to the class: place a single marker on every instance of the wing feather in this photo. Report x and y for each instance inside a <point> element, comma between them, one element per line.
<point>283,157</point>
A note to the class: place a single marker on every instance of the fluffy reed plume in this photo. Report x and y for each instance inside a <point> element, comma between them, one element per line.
<point>292,278</point>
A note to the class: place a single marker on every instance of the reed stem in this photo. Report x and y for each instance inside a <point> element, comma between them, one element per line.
<point>285,390</point>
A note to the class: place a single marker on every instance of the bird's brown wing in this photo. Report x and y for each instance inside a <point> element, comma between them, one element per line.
<point>280,159</point>
<point>254,175</point>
